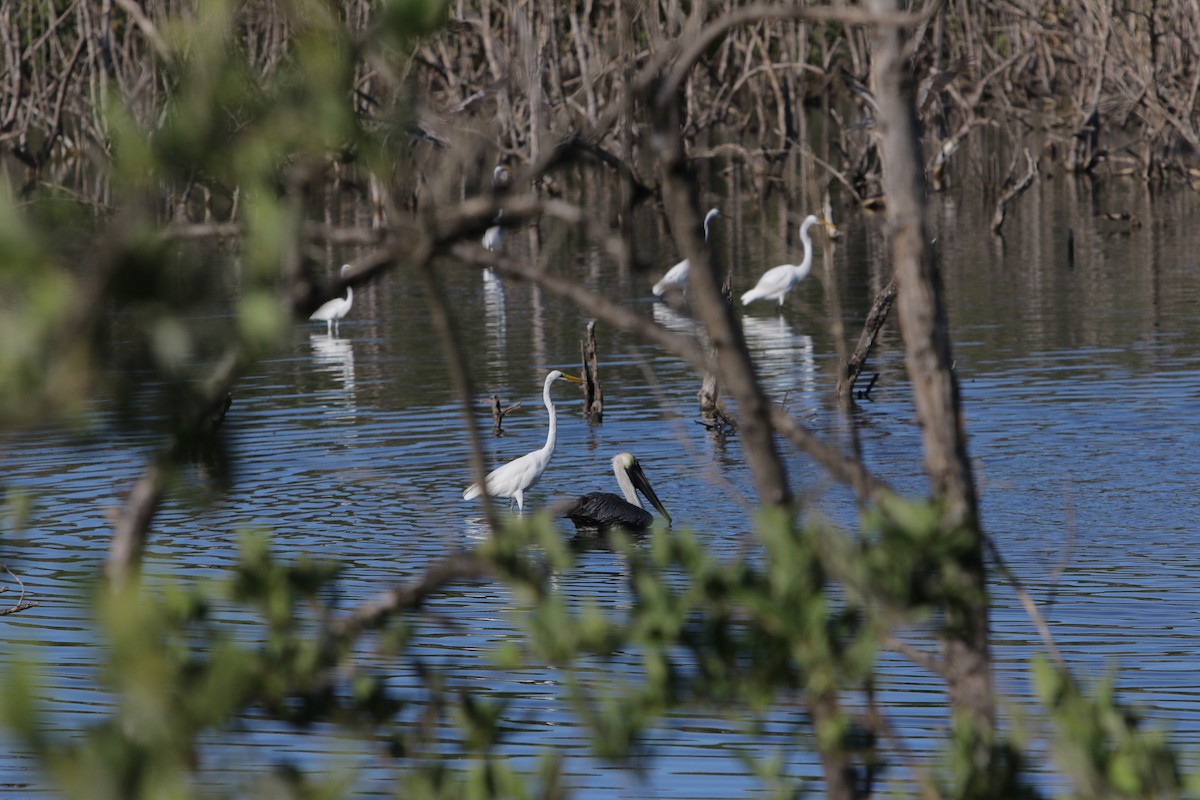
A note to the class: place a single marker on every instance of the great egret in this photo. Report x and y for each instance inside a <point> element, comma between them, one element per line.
<point>777,281</point>
<point>332,311</point>
<point>512,479</point>
<point>677,276</point>
<point>604,510</point>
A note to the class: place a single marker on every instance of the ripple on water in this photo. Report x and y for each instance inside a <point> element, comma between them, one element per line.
<point>1080,421</point>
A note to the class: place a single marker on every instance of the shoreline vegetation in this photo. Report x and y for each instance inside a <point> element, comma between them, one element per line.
<point>287,128</point>
<point>1107,89</point>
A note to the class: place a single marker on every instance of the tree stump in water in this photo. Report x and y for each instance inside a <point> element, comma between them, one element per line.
<point>593,402</point>
<point>499,413</point>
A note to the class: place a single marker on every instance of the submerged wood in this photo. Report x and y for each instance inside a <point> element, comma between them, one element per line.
<point>1014,191</point>
<point>498,414</point>
<point>593,403</point>
<point>876,318</point>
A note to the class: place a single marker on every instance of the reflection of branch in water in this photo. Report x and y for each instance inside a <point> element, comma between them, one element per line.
<point>715,420</point>
<point>131,523</point>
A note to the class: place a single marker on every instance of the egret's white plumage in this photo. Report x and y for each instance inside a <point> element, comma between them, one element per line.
<point>493,236</point>
<point>777,281</point>
<point>677,276</point>
<point>512,479</point>
<point>332,311</point>
<point>604,510</point>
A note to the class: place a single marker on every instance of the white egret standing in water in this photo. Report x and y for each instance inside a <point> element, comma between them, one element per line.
<point>512,479</point>
<point>493,237</point>
<point>677,275</point>
<point>605,510</point>
<point>777,281</point>
<point>332,311</point>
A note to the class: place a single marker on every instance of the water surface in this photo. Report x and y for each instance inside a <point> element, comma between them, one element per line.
<point>1080,386</point>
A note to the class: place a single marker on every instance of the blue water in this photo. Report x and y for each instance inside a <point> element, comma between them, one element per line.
<point>1080,388</point>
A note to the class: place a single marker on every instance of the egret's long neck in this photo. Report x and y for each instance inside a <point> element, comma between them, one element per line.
<point>804,238</point>
<point>626,485</point>
<point>552,433</point>
<point>349,294</point>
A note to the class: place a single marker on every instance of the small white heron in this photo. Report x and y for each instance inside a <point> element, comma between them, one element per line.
<point>604,510</point>
<point>677,276</point>
<point>777,281</point>
<point>493,237</point>
<point>332,311</point>
<point>512,479</point>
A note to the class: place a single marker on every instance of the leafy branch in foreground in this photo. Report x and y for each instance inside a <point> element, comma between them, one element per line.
<point>250,143</point>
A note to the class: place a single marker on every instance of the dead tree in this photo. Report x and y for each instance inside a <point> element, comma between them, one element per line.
<point>928,357</point>
<point>593,396</point>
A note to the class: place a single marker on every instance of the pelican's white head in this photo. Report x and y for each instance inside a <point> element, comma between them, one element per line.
<point>623,461</point>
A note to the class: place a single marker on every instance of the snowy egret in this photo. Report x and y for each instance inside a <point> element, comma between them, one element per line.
<point>332,311</point>
<point>677,276</point>
<point>777,281</point>
<point>512,479</point>
<point>493,237</point>
<point>604,510</point>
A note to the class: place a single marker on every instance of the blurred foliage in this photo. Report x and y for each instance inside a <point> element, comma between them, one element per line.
<point>804,615</point>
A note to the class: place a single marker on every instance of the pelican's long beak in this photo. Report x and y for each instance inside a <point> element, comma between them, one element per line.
<point>642,484</point>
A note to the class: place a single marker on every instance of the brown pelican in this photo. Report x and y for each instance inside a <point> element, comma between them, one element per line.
<point>332,311</point>
<point>604,510</point>
<point>512,479</point>
<point>775,282</point>
<point>677,276</point>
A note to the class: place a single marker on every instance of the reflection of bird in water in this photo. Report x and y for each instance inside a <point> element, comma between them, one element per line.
<point>512,479</point>
<point>332,311</point>
<point>777,281</point>
<point>677,276</point>
<point>784,358</point>
<point>603,510</point>
<point>672,320</point>
<point>335,356</point>
<point>493,307</point>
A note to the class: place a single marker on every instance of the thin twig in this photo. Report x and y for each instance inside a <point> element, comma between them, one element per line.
<point>1014,191</point>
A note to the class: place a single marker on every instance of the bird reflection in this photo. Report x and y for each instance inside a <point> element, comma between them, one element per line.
<point>334,356</point>
<point>494,314</point>
<point>784,357</point>
<point>672,320</point>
